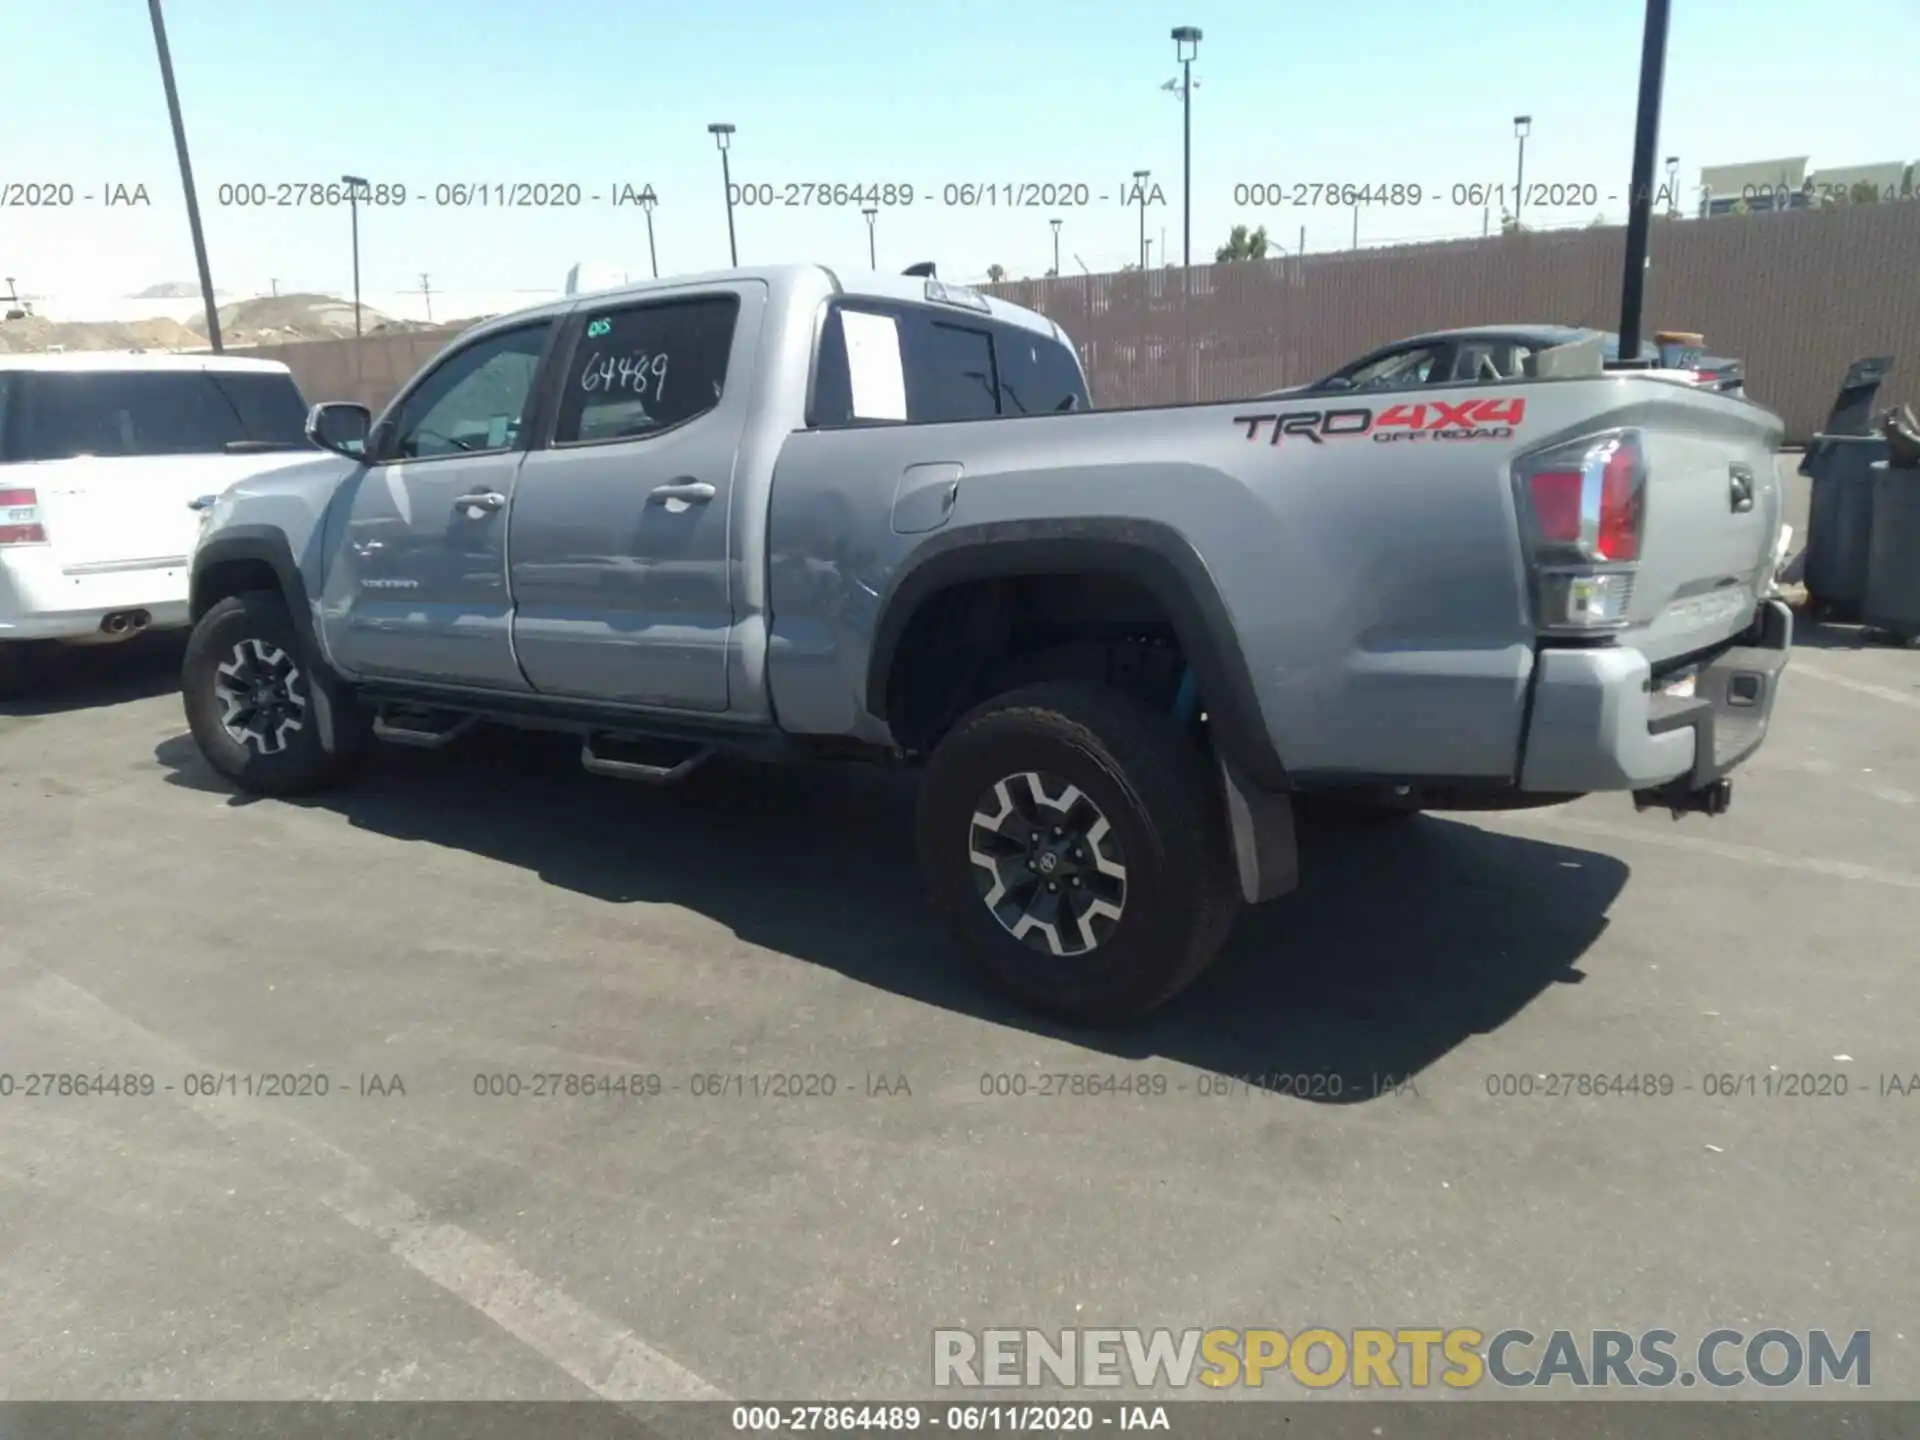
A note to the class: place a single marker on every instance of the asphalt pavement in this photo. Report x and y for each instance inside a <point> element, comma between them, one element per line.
<point>1344,1124</point>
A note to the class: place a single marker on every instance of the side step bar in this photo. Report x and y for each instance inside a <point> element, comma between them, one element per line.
<point>418,728</point>
<point>654,762</point>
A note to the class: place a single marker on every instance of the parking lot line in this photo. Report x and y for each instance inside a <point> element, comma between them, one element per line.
<point>1865,687</point>
<point>600,1353</point>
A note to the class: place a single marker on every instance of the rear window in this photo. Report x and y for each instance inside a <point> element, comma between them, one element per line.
<point>878,362</point>
<point>57,415</point>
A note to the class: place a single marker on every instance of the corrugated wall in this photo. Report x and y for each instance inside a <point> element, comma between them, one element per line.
<point>1797,295</point>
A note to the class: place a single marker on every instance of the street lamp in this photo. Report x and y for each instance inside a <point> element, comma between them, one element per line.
<point>647,201</point>
<point>873,259</point>
<point>354,186</point>
<point>186,173</point>
<point>1522,124</point>
<point>1186,44</point>
<point>1140,189</point>
<point>720,131</point>
<point>1673,187</point>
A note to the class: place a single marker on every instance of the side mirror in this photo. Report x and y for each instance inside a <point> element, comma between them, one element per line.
<point>340,426</point>
<point>1337,382</point>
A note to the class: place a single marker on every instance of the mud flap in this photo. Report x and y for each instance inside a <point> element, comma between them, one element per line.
<point>1261,825</point>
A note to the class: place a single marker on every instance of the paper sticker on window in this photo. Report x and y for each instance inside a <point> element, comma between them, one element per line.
<point>873,365</point>
<point>497,431</point>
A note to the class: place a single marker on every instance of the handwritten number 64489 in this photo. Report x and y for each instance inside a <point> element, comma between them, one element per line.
<point>634,373</point>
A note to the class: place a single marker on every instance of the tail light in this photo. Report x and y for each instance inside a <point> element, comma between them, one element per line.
<point>20,522</point>
<point>1582,515</point>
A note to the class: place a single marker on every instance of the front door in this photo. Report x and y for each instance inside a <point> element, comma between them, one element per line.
<point>621,572</point>
<point>419,588</point>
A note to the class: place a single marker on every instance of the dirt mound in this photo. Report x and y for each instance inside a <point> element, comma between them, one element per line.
<point>35,333</point>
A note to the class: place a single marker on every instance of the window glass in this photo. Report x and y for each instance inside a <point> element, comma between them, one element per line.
<point>269,406</point>
<point>1038,375</point>
<point>1489,360</point>
<point>474,401</point>
<point>126,412</point>
<point>639,371</point>
<point>949,371</point>
<point>1395,371</point>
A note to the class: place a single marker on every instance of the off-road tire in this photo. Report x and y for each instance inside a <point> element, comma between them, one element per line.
<point>1161,797</point>
<point>237,634</point>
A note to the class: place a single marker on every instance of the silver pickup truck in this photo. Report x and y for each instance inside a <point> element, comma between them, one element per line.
<point>794,513</point>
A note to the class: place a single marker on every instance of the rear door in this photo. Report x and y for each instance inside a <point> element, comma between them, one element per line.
<point>116,454</point>
<point>621,565</point>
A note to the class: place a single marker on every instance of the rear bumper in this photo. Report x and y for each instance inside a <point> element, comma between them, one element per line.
<point>41,601</point>
<point>1598,723</point>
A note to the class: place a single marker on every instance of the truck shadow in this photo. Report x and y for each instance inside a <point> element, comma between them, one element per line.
<point>82,677</point>
<point>1401,943</point>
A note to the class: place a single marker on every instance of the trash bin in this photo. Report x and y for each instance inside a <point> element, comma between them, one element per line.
<point>1892,599</point>
<point>1840,521</point>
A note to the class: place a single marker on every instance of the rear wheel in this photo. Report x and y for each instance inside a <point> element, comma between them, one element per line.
<point>1074,841</point>
<point>252,700</point>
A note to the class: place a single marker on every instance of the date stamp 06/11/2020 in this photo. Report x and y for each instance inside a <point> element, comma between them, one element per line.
<point>985,193</point>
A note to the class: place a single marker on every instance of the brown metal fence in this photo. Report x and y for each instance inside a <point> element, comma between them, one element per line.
<point>371,369</point>
<point>1797,295</point>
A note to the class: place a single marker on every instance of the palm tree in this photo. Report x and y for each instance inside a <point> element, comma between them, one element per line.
<point>996,273</point>
<point>1242,245</point>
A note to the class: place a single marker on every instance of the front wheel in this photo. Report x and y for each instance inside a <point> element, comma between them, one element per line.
<point>1075,843</point>
<point>252,701</point>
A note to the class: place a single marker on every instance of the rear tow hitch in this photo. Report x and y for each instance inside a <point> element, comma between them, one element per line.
<point>1677,798</point>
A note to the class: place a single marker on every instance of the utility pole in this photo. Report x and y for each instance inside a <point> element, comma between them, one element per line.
<point>1140,189</point>
<point>1522,125</point>
<point>426,293</point>
<point>1646,134</point>
<point>276,287</point>
<point>1056,245</point>
<point>873,256</point>
<point>1673,187</point>
<point>186,174</point>
<point>647,201</point>
<point>354,185</point>
<point>720,132</point>
<point>1356,224</point>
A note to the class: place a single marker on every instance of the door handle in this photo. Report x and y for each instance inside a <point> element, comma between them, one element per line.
<point>203,502</point>
<point>480,501</point>
<point>683,490</point>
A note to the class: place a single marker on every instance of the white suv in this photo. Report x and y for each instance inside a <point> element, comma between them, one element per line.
<point>101,457</point>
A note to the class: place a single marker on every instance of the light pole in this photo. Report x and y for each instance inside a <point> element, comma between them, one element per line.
<point>1056,245</point>
<point>1673,187</point>
<point>354,185</point>
<point>1522,124</point>
<point>720,132</point>
<point>647,201</point>
<point>873,258</point>
<point>186,173</point>
<point>1186,44</point>
<point>1140,189</point>
<point>1646,134</point>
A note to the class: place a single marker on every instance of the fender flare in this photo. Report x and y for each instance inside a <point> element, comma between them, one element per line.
<point>1152,555</point>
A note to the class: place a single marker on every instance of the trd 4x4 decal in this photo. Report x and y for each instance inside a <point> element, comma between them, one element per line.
<point>1479,419</point>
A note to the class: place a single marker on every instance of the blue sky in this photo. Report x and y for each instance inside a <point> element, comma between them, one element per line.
<point>927,93</point>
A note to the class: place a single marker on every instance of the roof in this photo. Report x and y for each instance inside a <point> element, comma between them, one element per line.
<point>137,360</point>
<point>782,280</point>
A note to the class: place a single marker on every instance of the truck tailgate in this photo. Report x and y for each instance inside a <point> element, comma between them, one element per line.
<point>1713,513</point>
